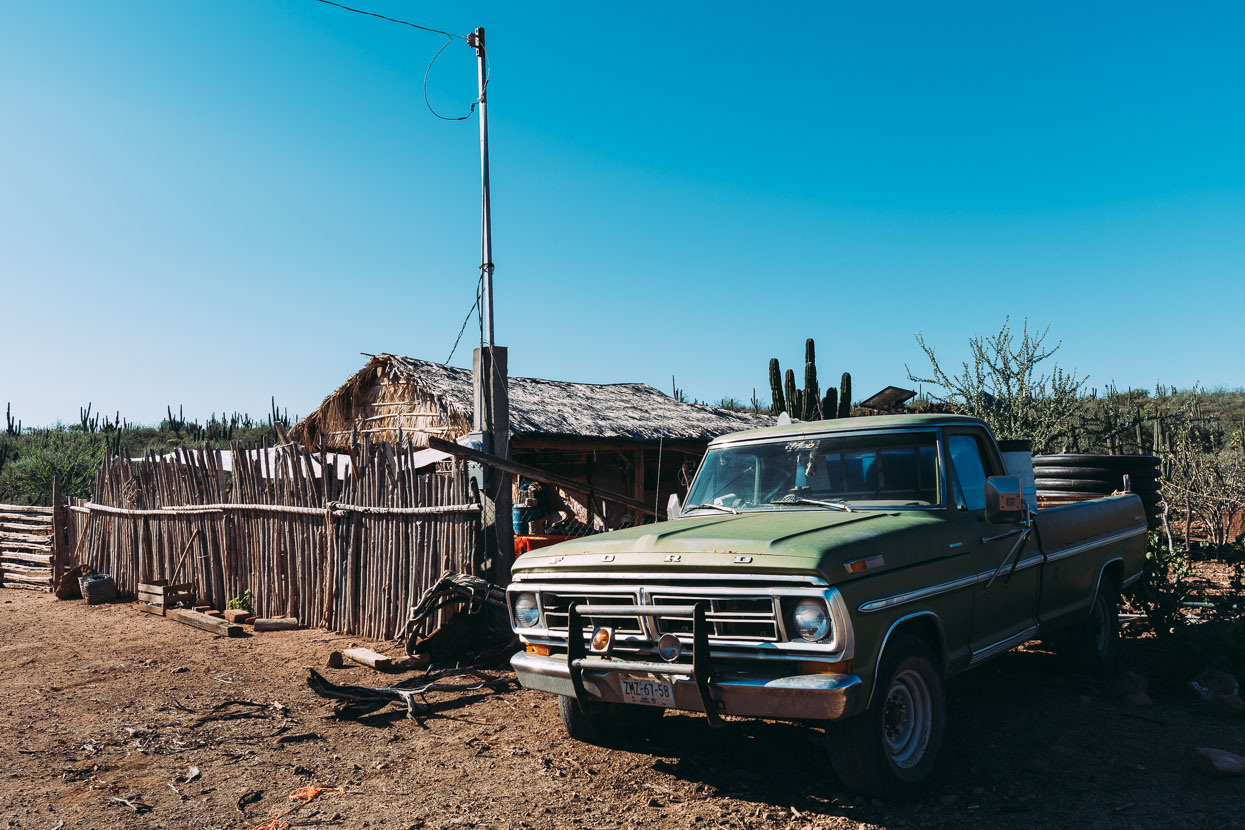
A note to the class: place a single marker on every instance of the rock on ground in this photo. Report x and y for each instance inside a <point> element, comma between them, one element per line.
<point>1217,762</point>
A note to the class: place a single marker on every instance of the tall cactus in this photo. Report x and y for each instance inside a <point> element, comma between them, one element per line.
<point>830,403</point>
<point>812,394</point>
<point>779,404</point>
<point>807,404</point>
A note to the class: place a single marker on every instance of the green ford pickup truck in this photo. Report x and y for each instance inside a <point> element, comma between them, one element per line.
<point>834,572</point>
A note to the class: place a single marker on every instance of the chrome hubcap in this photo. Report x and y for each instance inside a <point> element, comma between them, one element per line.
<point>907,718</point>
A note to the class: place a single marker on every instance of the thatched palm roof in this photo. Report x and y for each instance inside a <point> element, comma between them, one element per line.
<point>538,408</point>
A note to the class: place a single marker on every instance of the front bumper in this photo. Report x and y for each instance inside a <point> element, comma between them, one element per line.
<point>796,697</point>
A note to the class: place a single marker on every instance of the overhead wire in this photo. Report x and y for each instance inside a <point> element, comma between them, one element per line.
<point>449,38</point>
<point>391,19</point>
<point>467,319</point>
<point>488,71</point>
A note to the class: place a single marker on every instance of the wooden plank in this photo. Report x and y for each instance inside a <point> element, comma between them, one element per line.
<point>18,543</point>
<point>9,576</point>
<point>158,590</point>
<point>275,624</point>
<point>26,528</point>
<point>23,586</point>
<point>369,658</point>
<point>151,609</point>
<point>13,567</point>
<point>203,621</point>
<point>21,510</point>
<point>536,474</point>
<point>7,535</point>
<point>19,556</point>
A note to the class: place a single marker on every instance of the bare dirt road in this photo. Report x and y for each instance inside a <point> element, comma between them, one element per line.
<point>112,718</point>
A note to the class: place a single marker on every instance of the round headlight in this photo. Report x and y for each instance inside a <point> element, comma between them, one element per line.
<point>811,619</point>
<point>526,611</point>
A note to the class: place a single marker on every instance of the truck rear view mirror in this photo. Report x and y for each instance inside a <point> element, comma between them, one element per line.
<point>673,508</point>
<point>1004,500</point>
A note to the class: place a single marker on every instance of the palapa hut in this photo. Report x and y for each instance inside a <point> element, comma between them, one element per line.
<point>625,437</point>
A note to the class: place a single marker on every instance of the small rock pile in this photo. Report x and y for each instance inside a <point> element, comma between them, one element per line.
<point>1222,693</point>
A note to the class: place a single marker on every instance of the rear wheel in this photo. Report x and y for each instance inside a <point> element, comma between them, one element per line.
<point>1092,646</point>
<point>890,750</point>
<point>605,722</point>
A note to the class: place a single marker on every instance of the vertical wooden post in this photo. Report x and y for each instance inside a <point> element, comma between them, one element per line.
<point>59,515</point>
<point>492,419</point>
<point>639,483</point>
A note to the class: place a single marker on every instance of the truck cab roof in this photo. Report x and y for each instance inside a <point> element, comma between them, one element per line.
<point>852,424</point>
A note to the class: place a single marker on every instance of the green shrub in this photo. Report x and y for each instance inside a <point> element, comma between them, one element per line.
<point>246,602</point>
<point>73,456</point>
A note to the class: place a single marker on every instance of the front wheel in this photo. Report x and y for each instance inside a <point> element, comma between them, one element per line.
<point>889,751</point>
<point>604,722</point>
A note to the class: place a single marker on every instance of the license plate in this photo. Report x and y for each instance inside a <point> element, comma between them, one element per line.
<point>647,690</point>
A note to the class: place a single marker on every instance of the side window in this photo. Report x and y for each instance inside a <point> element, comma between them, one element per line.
<point>969,472</point>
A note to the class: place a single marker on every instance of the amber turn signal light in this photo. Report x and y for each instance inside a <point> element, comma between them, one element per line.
<point>541,650</point>
<point>810,667</point>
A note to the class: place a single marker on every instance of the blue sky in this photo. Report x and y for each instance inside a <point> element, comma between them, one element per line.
<point>210,203</point>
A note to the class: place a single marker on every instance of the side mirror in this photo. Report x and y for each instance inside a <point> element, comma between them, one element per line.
<point>673,508</point>
<point>1005,501</point>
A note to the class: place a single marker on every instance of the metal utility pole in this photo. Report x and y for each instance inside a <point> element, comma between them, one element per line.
<point>476,39</point>
<point>491,431</point>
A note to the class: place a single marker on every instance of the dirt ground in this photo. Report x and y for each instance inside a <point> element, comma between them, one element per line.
<point>104,703</point>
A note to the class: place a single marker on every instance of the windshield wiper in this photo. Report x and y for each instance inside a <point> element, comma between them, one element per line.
<point>706,506</point>
<point>801,500</point>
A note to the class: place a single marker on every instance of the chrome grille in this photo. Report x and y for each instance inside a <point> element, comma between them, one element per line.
<point>556,607</point>
<point>731,617</point>
<point>751,618</point>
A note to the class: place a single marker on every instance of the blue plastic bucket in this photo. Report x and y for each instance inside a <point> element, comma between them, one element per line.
<point>520,520</point>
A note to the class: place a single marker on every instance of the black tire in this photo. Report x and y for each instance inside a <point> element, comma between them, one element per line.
<point>1055,471</point>
<point>1112,462</point>
<point>1068,495</point>
<point>1114,481</point>
<point>890,750</point>
<point>1084,485</point>
<point>606,722</point>
<point>1092,646</point>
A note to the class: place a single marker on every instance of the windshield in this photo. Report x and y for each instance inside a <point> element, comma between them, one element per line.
<point>858,471</point>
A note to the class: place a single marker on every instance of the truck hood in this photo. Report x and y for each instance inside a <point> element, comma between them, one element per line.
<point>803,541</point>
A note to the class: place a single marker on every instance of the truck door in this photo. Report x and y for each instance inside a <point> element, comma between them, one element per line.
<point>1004,614</point>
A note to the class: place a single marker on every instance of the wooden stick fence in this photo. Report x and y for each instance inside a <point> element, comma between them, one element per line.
<point>348,554</point>
<point>27,546</point>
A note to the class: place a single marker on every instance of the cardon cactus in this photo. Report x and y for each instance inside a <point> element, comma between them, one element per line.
<point>807,404</point>
<point>830,403</point>
<point>775,387</point>
<point>812,395</point>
